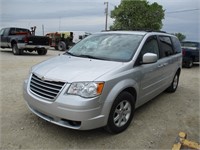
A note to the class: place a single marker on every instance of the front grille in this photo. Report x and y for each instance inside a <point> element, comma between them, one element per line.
<point>45,89</point>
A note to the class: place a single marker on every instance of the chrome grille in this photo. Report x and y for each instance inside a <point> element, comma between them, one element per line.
<point>45,89</point>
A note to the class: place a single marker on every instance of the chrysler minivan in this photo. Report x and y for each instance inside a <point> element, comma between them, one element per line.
<point>101,80</point>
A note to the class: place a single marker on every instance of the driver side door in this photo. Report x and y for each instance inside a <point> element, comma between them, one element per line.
<point>151,76</point>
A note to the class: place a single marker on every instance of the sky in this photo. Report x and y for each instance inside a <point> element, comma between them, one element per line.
<point>89,15</point>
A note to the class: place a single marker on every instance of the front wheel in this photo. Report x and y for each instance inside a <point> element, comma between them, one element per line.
<point>121,113</point>
<point>16,50</point>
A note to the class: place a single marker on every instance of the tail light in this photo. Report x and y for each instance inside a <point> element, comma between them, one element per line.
<point>26,39</point>
<point>183,52</point>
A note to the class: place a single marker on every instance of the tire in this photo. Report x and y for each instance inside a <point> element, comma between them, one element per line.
<point>172,88</point>
<point>61,46</point>
<point>121,113</point>
<point>16,50</point>
<point>42,51</point>
<point>189,63</point>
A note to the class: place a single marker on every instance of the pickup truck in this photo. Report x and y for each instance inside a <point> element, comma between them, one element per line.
<point>190,51</point>
<point>20,40</point>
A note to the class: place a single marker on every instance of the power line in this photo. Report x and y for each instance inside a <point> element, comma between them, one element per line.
<point>180,11</point>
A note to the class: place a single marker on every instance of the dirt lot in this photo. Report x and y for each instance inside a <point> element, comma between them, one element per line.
<point>155,125</point>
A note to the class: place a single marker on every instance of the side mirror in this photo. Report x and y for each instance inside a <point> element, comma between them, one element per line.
<point>149,58</point>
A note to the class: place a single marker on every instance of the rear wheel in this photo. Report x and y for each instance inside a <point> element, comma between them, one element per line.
<point>121,113</point>
<point>172,88</point>
<point>189,63</point>
<point>41,51</point>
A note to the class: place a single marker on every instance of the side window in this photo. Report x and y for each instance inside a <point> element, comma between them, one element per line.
<point>12,31</point>
<point>150,46</point>
<point>166,47</point>
<point>2,32</point>
<point>177,45</point>
<point>6,32</point>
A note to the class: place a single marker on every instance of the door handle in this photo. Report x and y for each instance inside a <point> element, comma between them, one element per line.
<point>160,65</point>
<point>165,64</point>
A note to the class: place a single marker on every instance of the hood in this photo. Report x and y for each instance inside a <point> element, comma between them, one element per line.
<point>73,69</point>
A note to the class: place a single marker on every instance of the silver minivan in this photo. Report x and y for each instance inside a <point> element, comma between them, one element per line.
<point>101,80</point>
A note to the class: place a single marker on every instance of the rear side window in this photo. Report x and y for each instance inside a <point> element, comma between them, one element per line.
<point>166,46</point>
<point>12,31</point>
<point>177,45</point>
<point>19,30</point>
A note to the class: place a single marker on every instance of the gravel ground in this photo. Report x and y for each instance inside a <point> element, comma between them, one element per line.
<point>155,126</point>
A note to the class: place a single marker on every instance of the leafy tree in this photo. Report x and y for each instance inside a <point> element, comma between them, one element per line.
<point>137,15</point>
<point>180,36</point>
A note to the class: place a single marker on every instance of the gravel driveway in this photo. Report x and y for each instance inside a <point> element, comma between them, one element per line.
<point>155,126</point>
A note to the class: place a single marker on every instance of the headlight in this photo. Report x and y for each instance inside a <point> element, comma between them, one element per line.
<point>86,89</point>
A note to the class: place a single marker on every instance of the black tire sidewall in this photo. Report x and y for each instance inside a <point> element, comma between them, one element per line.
<point>111,127</point>
<point>15,49</point>
<point>171,88</point>
<point>41,51</point>
<point>190,63</point>
<point>44,52</point>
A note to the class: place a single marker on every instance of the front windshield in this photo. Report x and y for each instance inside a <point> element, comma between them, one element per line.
<point>114,47</point>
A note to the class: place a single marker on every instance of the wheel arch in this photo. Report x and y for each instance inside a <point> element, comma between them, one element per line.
<point>178,71</point>
<point>13,42</point>
<point>132,91</point>
<point>127,85</point>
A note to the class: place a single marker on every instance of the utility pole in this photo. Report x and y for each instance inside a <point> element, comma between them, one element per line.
<point>59,23</point>
<point>43,30</point>
<point>106,12</point>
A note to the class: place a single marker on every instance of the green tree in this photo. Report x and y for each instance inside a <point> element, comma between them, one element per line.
<point>180,36</point>
<point>137,15</point>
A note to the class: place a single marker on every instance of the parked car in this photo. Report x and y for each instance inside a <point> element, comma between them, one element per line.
<point>20,40</point>
<point>190,52</point>
<point>101,80</point>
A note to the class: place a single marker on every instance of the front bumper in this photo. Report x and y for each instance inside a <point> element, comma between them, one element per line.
<point>67,110</point>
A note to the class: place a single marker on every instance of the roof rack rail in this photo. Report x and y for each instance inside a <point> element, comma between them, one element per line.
<point>145,30</point>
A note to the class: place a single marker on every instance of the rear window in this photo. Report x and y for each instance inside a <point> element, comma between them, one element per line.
<point>166,46</point>
<point>177,45</point>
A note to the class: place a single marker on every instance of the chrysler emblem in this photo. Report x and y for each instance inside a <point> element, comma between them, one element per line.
<point>42,78</point>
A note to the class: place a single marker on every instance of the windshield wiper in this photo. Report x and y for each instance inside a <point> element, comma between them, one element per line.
<point>85,56</point>
<point>71,54</point>
<point>89,56</point>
